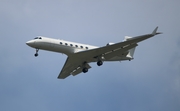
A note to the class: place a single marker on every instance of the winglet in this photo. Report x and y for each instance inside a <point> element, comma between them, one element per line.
<point>155,31</point>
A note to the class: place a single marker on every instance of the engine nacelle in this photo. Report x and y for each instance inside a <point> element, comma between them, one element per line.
<point>109,44</point>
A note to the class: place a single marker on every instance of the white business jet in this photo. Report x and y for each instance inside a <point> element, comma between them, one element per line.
<point>80,55</point>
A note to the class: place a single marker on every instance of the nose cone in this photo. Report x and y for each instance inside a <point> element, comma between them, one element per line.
<point>30,43</point>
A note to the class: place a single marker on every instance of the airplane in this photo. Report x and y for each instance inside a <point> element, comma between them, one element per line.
<point>80,55</point>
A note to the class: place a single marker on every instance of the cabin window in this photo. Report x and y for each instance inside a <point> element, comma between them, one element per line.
<point>66,44</point>
<point>76,45</point>
<point>71,45</point>
<point>86,47</point>
<point>61,43</point>
<point>81,46</point>
<point>40,38</point>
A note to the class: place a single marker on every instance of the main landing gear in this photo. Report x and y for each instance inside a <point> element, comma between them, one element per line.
<point>36,54</point>
<point>99,63</point>
<point>85,70</point>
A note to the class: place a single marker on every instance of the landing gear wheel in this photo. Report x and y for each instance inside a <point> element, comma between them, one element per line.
<point>99,63</point>
<point>36,54</point>
<point>85,70</point>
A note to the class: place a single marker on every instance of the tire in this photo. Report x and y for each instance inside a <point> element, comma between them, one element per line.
<point>85,70</point>
<point>36,55</point>
<point>99,63</point>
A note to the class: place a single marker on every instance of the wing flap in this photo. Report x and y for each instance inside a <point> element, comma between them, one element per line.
<point>79,70</point>
<point>120,52</point>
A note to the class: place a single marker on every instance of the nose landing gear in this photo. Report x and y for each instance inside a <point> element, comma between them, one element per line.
<point>36,54</point>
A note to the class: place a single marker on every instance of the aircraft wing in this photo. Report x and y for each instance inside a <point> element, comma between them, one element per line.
<point>94,53</point>
<point>72,66</point>
<point>74,63</point>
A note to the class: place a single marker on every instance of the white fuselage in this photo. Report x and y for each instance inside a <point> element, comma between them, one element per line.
<point>67,47</point>
<point>57,45</point>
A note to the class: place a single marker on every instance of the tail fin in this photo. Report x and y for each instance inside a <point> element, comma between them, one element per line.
<point>131,51</point>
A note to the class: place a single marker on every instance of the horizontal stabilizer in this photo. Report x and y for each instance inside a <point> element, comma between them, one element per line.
<point>155,31</point>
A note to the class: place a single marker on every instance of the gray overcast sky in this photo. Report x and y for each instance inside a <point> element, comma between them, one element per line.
<point>151,82</point>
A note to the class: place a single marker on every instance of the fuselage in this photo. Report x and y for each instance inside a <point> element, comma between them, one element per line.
<point>57,45</point>
<point>68,48</point>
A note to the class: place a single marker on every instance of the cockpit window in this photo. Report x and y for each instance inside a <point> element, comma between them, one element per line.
<point>37,38</point>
